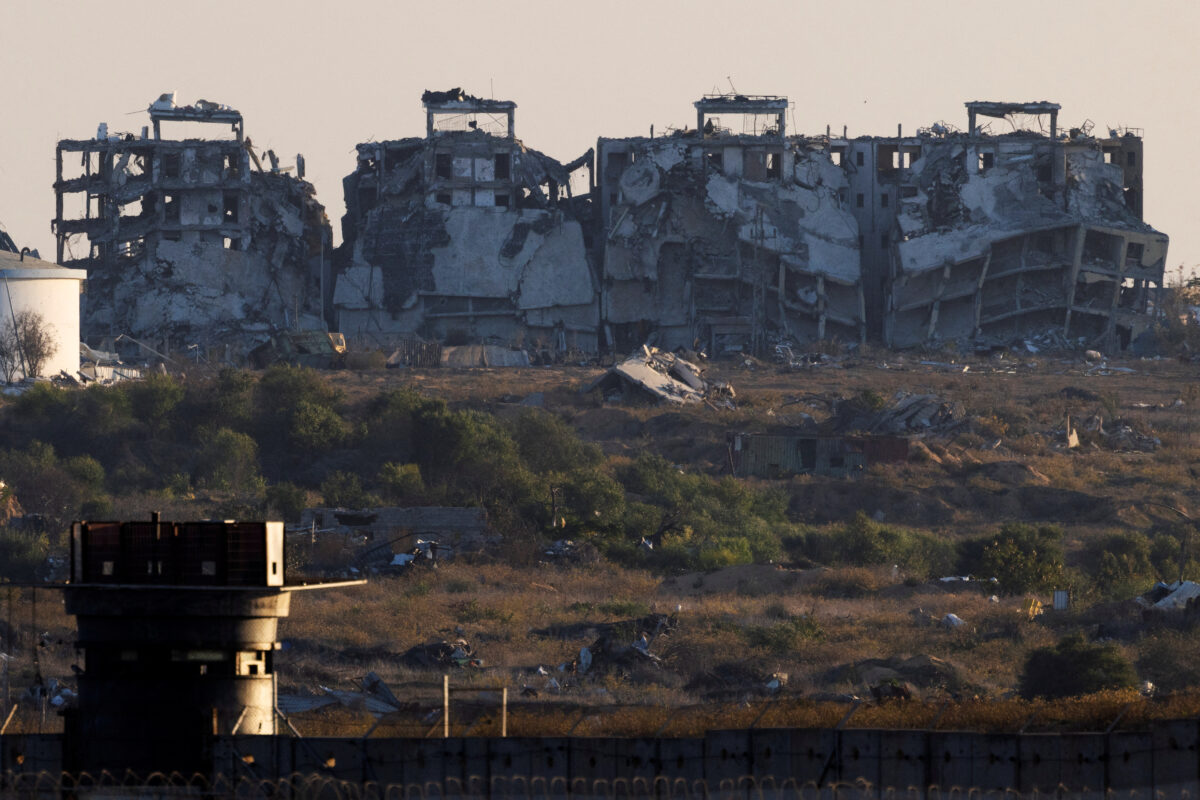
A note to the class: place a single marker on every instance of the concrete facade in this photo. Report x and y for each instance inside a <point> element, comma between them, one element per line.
<point>465,235</point>
<point>187,245</point>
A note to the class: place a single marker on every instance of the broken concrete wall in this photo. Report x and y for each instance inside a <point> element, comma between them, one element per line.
<point>997,238</point>
<point>184,243</point>
<point>464,236</point>
<point>725,241</point>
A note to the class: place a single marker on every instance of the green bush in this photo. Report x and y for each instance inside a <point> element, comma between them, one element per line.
<point>345,490</point>
<point>286,500</point>
<point>227,460</point>
<point>864,542</point>
<point>1020,557</point>
<point>1120,563</point>
<point>1075,667</point>
<point>400,482</point>
<point>781,638</point>
<point>22,554</point>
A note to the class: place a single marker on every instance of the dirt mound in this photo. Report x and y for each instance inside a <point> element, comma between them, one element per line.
<point>1012,473</point>
<point>747,579</point>
<point>922,671</point>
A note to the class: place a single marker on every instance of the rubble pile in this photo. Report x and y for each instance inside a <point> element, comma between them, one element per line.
<point>904,413</point>
<point>662,377</point>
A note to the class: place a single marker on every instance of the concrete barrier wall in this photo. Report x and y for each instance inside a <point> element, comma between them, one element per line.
<point>1163,762</point>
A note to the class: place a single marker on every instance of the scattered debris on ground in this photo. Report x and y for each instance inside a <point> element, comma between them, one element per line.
<point>662,377</point>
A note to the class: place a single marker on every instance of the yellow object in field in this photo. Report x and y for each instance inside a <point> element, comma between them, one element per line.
<point>1032,607</point>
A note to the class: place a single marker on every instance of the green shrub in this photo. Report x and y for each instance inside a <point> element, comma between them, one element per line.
<point>345,490</point>
<point>227,460</point>
<point>782,638</point>
<point>400,482</point>
<point>286,500</point>
<point>864,542</point>
<point>1075,667</point>
<point>1020,557</point>
<point>22,554</point>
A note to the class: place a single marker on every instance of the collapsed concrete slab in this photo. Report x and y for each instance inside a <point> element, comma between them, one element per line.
<point>663,377</point>
<point>984,239</point>
<point>186,246</point>
<point>466,235</point>
<point>726,239</point>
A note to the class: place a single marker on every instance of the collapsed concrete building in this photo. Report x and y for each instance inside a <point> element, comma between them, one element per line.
<point>465,235</point>
<point>187,246</point>
<point>984,238</point>
<point>729,236</point>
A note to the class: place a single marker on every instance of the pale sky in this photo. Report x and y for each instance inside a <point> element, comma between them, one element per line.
<point>319,77</point>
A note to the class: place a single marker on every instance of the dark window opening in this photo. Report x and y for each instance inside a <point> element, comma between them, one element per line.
<point>774,161</point>
<point>612,198</point>
<point>502,199</point>
<point>617,162</point>
<point>861,241</point>
<point>502,167</point>
<point>172,165</point>
<point>716,160</point>
<point>171,209</point>
<point>231,243</point>
<point>858,158</point>
<point>1131,159</point>
<point>1044,173</point>
<point>443,165</point>
<point>231,207</point>
<point>1131,200</point>
<point>883,200</point>
<point>883,240</point>
<point>444,198</point>
<point>837,462</point>
<point>171,236</point>
<point>860,200</point>
<point>986,161</point>
<point>908,191</point>
<point>1134,252</point>
<point>843,195</point>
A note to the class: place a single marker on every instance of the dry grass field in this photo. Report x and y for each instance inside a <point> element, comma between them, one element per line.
<point>824,633</point>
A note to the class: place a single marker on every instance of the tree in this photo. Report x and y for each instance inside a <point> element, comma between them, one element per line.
<point>35,340</point>
<point>10,354</point>
<point>1075,667</point>
<point>1020,557</point>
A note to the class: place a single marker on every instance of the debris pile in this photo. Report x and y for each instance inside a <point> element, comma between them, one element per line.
<point>662,377</point>
<point>904,413</point>
<point>442,654</point>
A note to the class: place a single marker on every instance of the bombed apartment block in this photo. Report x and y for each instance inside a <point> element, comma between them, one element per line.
<point>466,235</point>
<point>985,236</point>
<point>727,237</point>
<point>189,242</point>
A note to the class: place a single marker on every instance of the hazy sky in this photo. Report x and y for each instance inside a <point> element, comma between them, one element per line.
<point>319,77</point>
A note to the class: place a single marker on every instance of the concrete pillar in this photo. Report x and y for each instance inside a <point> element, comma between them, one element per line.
<point>994,762</point>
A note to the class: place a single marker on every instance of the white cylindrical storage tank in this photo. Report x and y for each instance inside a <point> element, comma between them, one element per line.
<point>31,284</point>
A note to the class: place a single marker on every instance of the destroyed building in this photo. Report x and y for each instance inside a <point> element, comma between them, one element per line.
<point>192,242</point>
<point>465,235</point>
<point>726,237</point>
<point>986,237</point>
